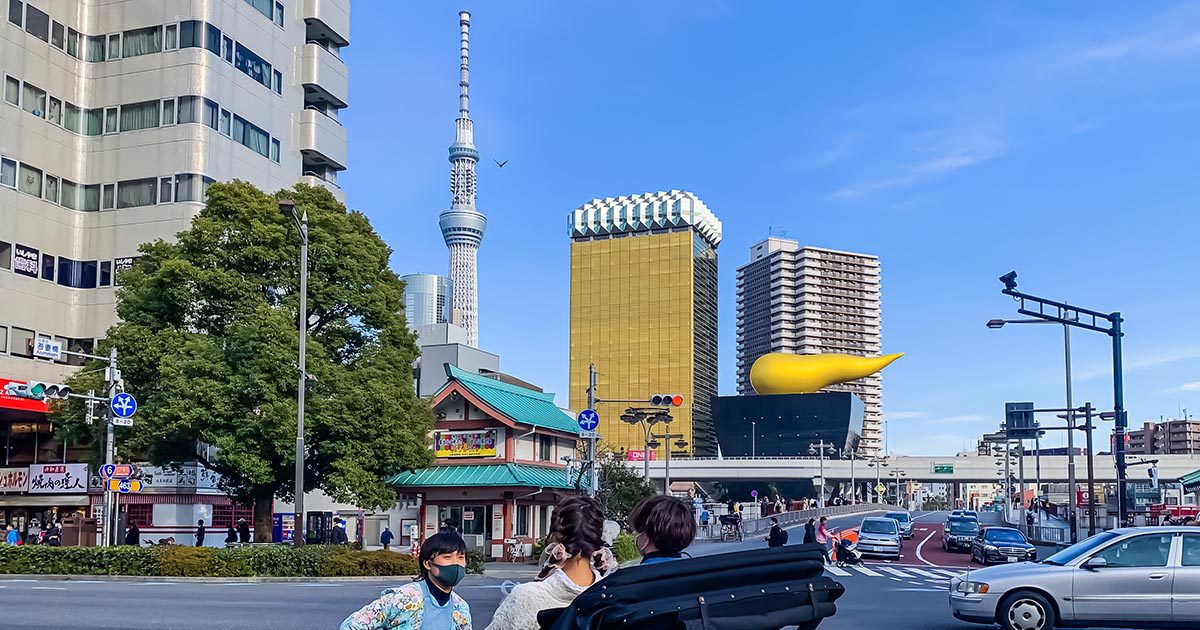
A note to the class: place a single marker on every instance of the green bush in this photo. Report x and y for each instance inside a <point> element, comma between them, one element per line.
<point>475,561</point>
<point>180,561</point>
<point>625,548</point>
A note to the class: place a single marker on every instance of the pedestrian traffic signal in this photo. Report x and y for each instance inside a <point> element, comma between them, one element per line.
<point>42,391</point>
<point>1154,477</point>
<point>666,400</point>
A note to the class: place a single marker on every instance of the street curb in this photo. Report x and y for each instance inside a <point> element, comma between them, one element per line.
<point>212,580</point>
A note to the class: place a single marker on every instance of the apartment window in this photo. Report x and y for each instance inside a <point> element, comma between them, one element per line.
<point>108,196</point>
<point>225,117</point>
<point>47,267</point>
<point>8,172</point>
<point>263,6</point>
<point>211,113</point>
<point>114,46</point>
<point>30,181</point>
<point>93,122</point>
<point>95,48</point>
<point>73,42</point>
<point>227,48</point>
<point>3,339</point>
<point>168,111</point>
<point>77,274</point>
<point>165,188</point>
<point>34,100</point>
<point>277,81</point>
<point>254,66</point>
<point>52,188</point>
<point>37,23</point>
<point>279,14</point>
<point>12,91</point>
<point>139,115</point>
<point>212,39</point>
<point>89,198</point>
<point>14,11</point>
<point>190,33</point>
<point>189,109</point>
<point>142,41</point>
<point>54,114</point>
<point>105,273</point>
<point>70,194</point>
<point>170,37</point>
<point>58,35</point>
<point>185,188</point>
<point>110,120</point>
<point>135,193</point>
<point>544,443</point>
<point>22,342</point>
<point>275,150</point>
<point>5,257</point>
<point>251,136</point>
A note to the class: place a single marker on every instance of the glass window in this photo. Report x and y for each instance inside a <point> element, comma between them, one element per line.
<point>211,113</point>
<point>34,100</point>
<point>227,48</point>
<point>165,187</point>
<point>140,115</point>
<point>58,35</point>
<point>70,194</point>
<point>114,46</point>
<point>5,255</point>
<point>544,443</point>
<point>1151,550</point>
<point>1191,550</point>
<point>52,188</point>
<point>47,267</point>
<point>205,182</point>
<point>54,114</point>
<point>73,42</point>
<point>108,196</point>
<point>8,172</point>
<point>212,39</point>
<point>251,136</point>
<point>72,117</point>
<point>224,128</point>
<point>106,274</point>
<point>277,82</point>
<point>22,342</point>
<point>171,37</point>
<point>89,198</point>
<point>168,111</point>
<point>190,33</point>
<point>93,122</point>
<point>30,181</point>
<point>137,192</point>
<point>37,23</point>
<point>522,527</point>
<point>12,91</point>
<point>3,339</point>
<point>14,11</point>
<point>77,274</point>
<point>279,14</point>
<point>142,41</point>
<point>185,188</point>
<point>253,65</point>
<point>110,120</point>
<point>95,48</point>
<point>263,6</point>
<point>275,150</point>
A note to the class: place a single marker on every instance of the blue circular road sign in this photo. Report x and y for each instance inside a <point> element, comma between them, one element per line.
<point>107,471</point>
<point>123,405</point>
<point>588,419</point>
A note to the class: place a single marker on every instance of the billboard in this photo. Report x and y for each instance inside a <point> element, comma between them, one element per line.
<point>14,479</point>
<point>58,479</point>
<point>465,443</point>
<point>639,456</point>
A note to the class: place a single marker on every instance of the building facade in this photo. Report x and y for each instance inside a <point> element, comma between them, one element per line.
<point>1168,437</point>
<point>811,300</point>
<point>116,115</point>
<point>644,311</point>
<point>426,299</point>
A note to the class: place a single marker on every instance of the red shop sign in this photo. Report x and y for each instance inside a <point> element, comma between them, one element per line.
<point>8,401</point>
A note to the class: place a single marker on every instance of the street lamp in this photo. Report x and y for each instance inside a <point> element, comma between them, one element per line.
<point>647,418</point>
<point>287,208</point>
<point>820,448</point>
<point>878,463</point>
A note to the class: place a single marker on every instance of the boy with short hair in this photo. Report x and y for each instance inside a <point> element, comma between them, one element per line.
<point>663,527</point>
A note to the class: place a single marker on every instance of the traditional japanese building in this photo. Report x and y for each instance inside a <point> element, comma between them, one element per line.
<point>503,454</point>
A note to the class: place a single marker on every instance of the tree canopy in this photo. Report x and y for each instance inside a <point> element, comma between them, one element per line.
<point>621,487</point>
<point>208,344</point>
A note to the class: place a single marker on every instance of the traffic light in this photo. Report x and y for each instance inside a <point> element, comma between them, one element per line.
<point>666,400</point>
<point>41,391</point>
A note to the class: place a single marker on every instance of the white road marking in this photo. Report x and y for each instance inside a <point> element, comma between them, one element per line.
<point>838,571</point>
<point>947,572</point>
<point>316,585</point>
<point>919,556</point>
<point>917,590</point>
<point>49,588</point>
<point>897,572</point>
<point>18,580</point>
<point>88,582</point>
<point>927,574</point>
<point>865,571</point>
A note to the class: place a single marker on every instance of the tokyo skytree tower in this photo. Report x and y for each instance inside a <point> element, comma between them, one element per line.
<point>462,225</point>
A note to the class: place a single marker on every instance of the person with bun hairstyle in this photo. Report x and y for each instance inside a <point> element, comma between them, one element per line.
<point>429,602</point>
<point>575,558</point>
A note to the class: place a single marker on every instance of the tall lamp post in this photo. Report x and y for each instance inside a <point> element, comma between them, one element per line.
<point>878,463</point>
<point>1109,324</point>
<point>897,475</point>
<point>288,208</point>
<point>819,448</point>
<point>646,418</point>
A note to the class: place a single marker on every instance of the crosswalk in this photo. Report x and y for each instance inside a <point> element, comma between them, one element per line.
<point>913,575</point>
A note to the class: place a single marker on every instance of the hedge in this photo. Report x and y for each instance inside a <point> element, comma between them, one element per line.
<point>180,561</point>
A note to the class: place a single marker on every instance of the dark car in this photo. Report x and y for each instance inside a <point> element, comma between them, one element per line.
<point>1001,544</point>
<point>958,534</point>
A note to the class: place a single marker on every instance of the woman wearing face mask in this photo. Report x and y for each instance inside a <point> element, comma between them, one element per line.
<point>663,527</point>
<point>427,603</point>
<point>574,559</point>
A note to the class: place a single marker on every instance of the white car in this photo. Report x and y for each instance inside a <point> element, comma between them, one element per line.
<point>878,536</point>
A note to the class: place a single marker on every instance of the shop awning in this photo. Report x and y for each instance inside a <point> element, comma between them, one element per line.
<point>1191,481</point>
<point>494,475</point>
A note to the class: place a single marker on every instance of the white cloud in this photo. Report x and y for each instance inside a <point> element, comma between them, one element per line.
<point>903,415</point>
<point>1142,363</point>
<point>1194,386</point>
<point>934,155</point>
<point>963,419</point>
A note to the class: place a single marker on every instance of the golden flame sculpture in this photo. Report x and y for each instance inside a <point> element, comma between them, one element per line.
<point>781,373</point>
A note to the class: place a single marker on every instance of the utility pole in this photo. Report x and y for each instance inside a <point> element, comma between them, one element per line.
<point>753,439</point>
<point>666,438</point>
<point>594,486</point>
<point>820,447</point>
<point>1072,497</point>
<point>853,486</point>
<point>287,207</point>
<point>1091,471</point>
<point>111,519</point>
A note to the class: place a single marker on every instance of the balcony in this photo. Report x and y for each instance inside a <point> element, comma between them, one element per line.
<point>324,77</point>
<point>321,140</point>
<point>327,19</point>
<point>317,180</point>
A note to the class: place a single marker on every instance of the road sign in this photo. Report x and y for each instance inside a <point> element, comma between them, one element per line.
<point>123,405</point>
<point>943,469</point>
<point>123,422</point>
<point>589,435</point>
<point>880,489</point>
<point>106,471</point>
<point>754,494</point>
<point>47,349</point>
<point>125,486</point>
<point>588,419</point>
<point>117,471</point>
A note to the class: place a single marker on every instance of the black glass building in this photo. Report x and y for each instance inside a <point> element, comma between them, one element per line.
<point>786,425</point>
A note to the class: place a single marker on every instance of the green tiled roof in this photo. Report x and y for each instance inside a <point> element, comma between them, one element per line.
<point>518,404</point>
<point>1191,479</point>
<point>504,475</point>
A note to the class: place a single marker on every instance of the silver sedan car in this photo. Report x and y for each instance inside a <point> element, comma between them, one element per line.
<point>1145,577</point>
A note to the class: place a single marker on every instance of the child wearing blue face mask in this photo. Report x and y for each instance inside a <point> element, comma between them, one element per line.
<point>430,602</point>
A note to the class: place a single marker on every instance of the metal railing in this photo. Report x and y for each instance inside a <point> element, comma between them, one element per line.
<point>1045,535</point>
<point>753,526</point>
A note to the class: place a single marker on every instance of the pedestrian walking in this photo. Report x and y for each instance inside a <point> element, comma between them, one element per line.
<point>1029,519</point>
<point>54,535</point>
<point>779,505</point>
<point>810,532</point>
<point>338,536</point>
<point>823,538</point>
<point>429,602</point>
<point>574,559</point>
<point>663,527</point>
<point>12,536</point>
<point>200,533</point>
<point>777,537</point>
<point>230,536</point>
<point>704,517</point>
<point>385,538</point>
<point>133,535</point>
<point>243,530</point>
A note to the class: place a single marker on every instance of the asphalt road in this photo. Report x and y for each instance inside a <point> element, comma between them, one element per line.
<point>905,595</point>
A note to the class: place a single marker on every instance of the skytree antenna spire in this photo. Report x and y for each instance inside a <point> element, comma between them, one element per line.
<point>462,225</point>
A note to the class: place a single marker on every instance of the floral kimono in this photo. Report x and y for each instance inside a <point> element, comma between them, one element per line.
<point>410,607</point>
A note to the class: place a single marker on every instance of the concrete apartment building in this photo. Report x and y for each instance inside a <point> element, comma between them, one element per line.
<point>811,300</point>
<point>1167,437</point>
<point>116,115</point>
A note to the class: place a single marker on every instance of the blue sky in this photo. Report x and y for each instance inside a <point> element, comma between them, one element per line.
<point>956,143</point>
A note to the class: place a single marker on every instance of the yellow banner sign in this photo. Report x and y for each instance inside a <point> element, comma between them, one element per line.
<point>465,443</point>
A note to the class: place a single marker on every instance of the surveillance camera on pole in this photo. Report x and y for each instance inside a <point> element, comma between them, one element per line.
<point>666,400</point>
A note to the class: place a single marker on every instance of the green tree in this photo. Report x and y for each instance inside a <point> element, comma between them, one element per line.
<point>208,344</point>
<point>621,487</point>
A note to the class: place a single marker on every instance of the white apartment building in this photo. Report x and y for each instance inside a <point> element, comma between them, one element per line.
<point>811,300</point>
